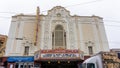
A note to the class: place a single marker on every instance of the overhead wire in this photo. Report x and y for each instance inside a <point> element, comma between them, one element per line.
<point>85,23</point>
<point>72,6</point>
<point>9,12</point>
<point>116,21</point>
<point>4,17</point>
<point>83,3</point>
<point>78,4</point>
<point>66,7</point>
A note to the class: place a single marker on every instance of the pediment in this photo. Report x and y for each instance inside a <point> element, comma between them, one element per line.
<point>58,11</point>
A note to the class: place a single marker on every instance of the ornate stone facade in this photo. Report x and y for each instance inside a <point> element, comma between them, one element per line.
<point>85,33</point>
<point>3,40</point>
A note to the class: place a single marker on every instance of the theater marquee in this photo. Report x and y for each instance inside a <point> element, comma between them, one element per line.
<point>58,54</point>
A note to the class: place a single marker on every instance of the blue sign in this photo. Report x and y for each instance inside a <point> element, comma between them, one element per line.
<point>20,59</point>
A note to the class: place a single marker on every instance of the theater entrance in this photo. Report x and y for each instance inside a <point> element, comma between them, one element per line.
<point>58,58</point>
<point>59,64</point>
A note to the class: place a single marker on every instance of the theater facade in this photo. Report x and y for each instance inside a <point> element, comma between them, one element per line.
<point>56,39</point>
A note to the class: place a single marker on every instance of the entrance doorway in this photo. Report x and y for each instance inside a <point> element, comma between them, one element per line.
<point>59,64</point>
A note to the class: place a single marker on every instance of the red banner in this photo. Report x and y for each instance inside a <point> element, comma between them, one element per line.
<point>60,51</point>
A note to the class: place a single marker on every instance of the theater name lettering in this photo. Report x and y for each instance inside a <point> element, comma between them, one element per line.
<point>58,55</point>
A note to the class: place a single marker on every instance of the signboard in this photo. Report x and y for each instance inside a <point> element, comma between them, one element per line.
<point>58,54</point>
<point>20,59</point>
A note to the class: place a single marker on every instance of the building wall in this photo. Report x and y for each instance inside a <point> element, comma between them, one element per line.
<point>81,32</point>
<point>3,39</point>
<point>117,50</point>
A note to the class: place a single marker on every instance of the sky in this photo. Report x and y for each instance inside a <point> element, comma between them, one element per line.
<point>109,10</point>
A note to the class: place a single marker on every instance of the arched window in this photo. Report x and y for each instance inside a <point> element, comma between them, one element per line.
<point>59,37</point>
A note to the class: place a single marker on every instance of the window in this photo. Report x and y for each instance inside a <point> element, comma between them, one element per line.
<point>90,49</point>
<point>21,66</point>
<point>26,51</point>
<point>84,65</point>
<point>65,38</point>
<point>0,60</point>
<point>52,38</point>
<point>90,65</point>
<point>1,43</point>
<point>16,65</point>
<point>19,38</point>
<point>59,37</point>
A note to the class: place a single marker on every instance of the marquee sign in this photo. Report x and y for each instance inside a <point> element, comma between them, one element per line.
<point>58,54</point>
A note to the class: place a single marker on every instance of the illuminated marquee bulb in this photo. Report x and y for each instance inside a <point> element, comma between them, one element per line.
<point>68,61</point>
<point>58,61</point>
<point>49,62</point>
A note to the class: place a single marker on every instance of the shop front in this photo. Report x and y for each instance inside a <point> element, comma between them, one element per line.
<point>58,58</point>
<point>3,62</point>
<point>20,62</point>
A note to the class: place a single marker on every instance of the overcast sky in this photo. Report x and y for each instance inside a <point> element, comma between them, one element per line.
<point>108,9</point>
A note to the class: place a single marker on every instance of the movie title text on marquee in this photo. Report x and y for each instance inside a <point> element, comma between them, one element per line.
<point>60,55</point>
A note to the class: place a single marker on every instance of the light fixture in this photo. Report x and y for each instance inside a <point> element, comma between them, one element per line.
<point>68,61</point>
<point>49,62</point>
<point>58,62</point>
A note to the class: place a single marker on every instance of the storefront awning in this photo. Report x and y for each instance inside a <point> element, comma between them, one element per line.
<point>20,59</point>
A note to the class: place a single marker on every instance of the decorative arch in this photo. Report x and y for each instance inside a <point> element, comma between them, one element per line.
<point>59,37</point>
